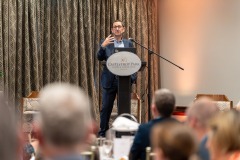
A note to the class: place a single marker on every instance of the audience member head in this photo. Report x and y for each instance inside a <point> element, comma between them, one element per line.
<point>64,120</point>
<point>9,133</point>
<point>173,141</point>
<point>223,136</point>
<point>199,113</point>
<point>163,103</point>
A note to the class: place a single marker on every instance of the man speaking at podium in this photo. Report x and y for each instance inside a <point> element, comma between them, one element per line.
<point>109,81</point>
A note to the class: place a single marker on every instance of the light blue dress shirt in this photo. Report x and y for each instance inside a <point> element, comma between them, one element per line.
<point>118,44</point>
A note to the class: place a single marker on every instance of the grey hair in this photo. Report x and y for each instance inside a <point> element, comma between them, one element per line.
<point>64,114</point>
<point>164,100</point>
<point>203,110</point>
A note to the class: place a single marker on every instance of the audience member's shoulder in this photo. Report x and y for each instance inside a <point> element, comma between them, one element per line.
<point>144,126</point>
<point>171,119</point>
<point>166,120</point>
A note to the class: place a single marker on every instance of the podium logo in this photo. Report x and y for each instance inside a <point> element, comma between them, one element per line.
<point>123,63</point>
<point>124,59</point>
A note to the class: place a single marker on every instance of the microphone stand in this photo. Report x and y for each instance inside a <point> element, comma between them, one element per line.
<point>150,52</point>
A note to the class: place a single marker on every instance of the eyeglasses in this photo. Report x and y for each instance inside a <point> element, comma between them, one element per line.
<point>115,27</point>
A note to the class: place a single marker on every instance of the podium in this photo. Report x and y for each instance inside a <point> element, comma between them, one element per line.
<point>124,93</point>
<point>123,64</point>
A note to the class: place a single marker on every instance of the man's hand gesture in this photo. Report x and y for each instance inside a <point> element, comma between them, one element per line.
<point>108,40</point>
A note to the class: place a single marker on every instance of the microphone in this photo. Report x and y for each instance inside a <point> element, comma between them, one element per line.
<point>131,39</point>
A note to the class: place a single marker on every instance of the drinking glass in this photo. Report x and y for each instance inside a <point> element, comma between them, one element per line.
<point>99,141</point>
<point>110,134</point>
<point>107,147</point>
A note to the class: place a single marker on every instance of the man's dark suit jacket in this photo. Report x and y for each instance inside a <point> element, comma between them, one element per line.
<point>142,138</point>
<point>103,54</point>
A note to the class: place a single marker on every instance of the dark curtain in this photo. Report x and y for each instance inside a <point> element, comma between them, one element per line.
<point>44,41</point>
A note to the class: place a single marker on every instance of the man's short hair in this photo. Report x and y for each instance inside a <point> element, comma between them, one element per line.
<point>118,21</point>
<point>164,100</point>
<point>64,114</point>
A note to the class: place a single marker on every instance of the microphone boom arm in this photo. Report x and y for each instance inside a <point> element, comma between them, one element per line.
<point>151,52</point>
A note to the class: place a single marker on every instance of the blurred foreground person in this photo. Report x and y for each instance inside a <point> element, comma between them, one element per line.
<point>173,141</point>
<point>224,136</point>
<point>198,115</point>
<point>10,146</point>
<point>65,123</point>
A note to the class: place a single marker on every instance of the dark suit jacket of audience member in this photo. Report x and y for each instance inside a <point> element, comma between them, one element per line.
<point>142,138</point>
<point>203,152</point>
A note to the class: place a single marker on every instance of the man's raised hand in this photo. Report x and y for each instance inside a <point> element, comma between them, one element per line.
<point>108,40</point>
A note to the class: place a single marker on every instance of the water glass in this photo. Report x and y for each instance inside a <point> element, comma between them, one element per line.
<point>107,147</point>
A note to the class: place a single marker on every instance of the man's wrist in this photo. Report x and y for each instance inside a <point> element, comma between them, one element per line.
<point>103,47</point>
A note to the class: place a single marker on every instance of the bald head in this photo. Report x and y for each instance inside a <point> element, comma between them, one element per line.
<point>202,110</point>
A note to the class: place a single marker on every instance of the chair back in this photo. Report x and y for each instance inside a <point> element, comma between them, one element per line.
<point>223,103</point>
